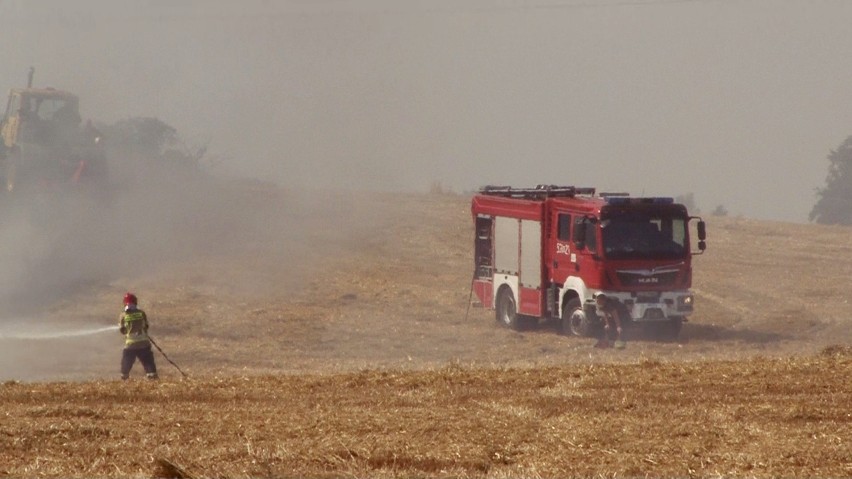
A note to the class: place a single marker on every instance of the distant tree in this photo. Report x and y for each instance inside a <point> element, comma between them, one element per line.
<point>834,205</point>
<point>688,200</point>
<point>720,211</point>
<point>438,188</point>
<point>145,136</point>
<point>152,139</point>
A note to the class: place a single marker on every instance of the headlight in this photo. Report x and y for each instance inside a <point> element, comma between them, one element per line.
<point>684,303</point>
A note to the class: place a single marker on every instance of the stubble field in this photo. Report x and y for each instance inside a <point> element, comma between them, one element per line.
<point>328,335</point>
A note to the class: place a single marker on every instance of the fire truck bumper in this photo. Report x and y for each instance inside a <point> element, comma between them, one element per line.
<point>668,305</point>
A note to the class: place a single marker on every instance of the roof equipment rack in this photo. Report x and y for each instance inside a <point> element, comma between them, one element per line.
<point>539,192</point>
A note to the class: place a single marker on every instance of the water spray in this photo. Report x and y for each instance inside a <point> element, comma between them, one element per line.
<point>54,334</point>
<point>71,334</point>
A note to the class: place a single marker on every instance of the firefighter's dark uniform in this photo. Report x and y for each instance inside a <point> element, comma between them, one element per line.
<point>133,324</point>
<point>610,314</point>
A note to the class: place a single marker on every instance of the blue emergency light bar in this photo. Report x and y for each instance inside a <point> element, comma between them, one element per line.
<point>624,200</point>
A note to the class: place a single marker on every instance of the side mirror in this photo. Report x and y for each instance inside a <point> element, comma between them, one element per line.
<point>702,234</point>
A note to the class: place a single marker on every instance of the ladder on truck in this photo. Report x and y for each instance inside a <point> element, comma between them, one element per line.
<point>539,192</point>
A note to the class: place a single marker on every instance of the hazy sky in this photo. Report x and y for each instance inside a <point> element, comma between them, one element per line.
<point>736,101</point>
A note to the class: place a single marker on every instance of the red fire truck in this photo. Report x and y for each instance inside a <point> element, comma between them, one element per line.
<point>545,252</point>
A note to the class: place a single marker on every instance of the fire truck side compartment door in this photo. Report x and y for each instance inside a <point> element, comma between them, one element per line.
<point>506,245</point>
<point>530,254</point>
<point>483,246</point>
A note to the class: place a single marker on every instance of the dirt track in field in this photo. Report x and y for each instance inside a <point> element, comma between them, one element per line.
<point>331,338</point>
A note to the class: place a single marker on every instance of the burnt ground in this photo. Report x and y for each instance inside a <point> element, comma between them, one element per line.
<point>327,334</point>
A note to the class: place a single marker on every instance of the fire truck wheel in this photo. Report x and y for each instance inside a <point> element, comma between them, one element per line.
<point>665,330</point>
<point>507,311</point>
<point>574,320</point>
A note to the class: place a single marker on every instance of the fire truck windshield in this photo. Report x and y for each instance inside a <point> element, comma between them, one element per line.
<point>631,235</point>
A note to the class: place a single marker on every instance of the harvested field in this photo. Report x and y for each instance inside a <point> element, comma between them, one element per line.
<point>759,418</point>
<point>328,337</point>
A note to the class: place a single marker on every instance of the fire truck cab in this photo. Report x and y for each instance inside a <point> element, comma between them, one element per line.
<point>545,252</point>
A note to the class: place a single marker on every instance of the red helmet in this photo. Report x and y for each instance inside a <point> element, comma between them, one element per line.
<point>129,298</point>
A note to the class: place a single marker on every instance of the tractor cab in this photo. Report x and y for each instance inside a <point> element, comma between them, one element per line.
<point>44,144</point>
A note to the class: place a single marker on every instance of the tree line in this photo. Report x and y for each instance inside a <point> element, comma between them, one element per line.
<point>834,201</point>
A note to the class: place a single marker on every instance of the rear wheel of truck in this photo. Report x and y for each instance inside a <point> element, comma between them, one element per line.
<point>507,311</point>
<point>574,320</point>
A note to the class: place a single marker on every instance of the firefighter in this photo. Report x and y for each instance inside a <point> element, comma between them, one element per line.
<point>133,324</point>
<point>608,310</point>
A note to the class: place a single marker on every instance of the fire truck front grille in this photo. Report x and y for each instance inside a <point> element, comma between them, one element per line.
<point>631,278</point>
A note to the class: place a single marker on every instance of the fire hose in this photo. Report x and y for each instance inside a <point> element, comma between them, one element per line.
<point>469,296</point>
<point>167,358</point>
